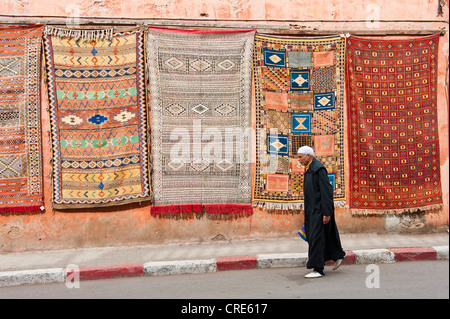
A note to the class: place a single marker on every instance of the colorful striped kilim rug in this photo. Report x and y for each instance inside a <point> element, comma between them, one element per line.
<point>393,130</point>
<point>299,91</point>
<point>200,86</point>
<point>98,119</point>
<point>21,186</point>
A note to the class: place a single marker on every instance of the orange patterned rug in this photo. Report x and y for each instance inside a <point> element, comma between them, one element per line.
<point>20,119</point>
<point>98,117</point>
<point>393,129</point>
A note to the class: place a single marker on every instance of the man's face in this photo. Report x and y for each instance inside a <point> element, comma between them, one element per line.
<point>304,159</point>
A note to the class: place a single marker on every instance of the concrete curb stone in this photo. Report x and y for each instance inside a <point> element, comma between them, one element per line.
<point>282,260</point>
<point>106,272</point>
<point>161,268</point>
<point>441,252</point>
<point>421,253</point>
<point>374,256</point>
<point>261,261</point>
<point>35,276</point>
<point>237,262</point>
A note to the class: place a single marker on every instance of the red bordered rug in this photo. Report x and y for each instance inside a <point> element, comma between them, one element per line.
<point>392,122</point>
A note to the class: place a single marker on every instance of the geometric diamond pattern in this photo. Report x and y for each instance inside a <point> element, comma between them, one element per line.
<point>298,93</point>
<point>392,98</point>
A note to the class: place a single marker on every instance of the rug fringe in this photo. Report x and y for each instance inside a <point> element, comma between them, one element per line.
<point>77,34</point>
<point>340,204</point>
<point>279,206</point>
<point>291,206</point>
<point>175,209</point>
<point>234,209</point>
<point>21,209</point>
<point>378,212</point>
<point>227,208</point>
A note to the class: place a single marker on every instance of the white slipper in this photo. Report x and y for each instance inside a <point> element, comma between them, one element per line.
<point>337,264</point>
<point>313,274</point>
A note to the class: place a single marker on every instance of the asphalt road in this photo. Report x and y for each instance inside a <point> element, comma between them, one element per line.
<point>404,280</point>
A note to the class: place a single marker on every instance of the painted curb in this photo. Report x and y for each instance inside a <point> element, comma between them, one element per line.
<point>106,272</point>
<point>262,261</point>
<point>30,277</point>
<point>237,263</point>
<point>407,254</point>
<point>441,252</point>
<point>374,256</point>
<point>281,260</point>
<point>161,268</point>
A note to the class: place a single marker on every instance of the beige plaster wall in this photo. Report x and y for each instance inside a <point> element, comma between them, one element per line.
<point>133,224</point>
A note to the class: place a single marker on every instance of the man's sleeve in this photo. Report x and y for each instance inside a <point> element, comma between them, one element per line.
<point>326,193</point>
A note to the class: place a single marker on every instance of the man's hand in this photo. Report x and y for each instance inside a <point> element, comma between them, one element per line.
<point>326,219</point>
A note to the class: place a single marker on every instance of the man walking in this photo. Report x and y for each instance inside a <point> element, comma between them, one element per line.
<point>320,226</point>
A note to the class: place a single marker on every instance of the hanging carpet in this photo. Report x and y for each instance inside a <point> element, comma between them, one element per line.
<point>299,92</point>
<point>98,117</point>
<point>393,129</point>
<point>21,186</point>
<point>200,90</point>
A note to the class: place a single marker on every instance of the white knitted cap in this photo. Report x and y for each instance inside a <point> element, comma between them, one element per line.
<point>306,150</point>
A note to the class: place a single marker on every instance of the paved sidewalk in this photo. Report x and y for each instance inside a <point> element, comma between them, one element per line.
<point>147,260</point>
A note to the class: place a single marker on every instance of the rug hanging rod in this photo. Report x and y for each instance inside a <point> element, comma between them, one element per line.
<point>291,29</point>
<point>119,20</point>
<point>308,32</point>
<point>382,32</point>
